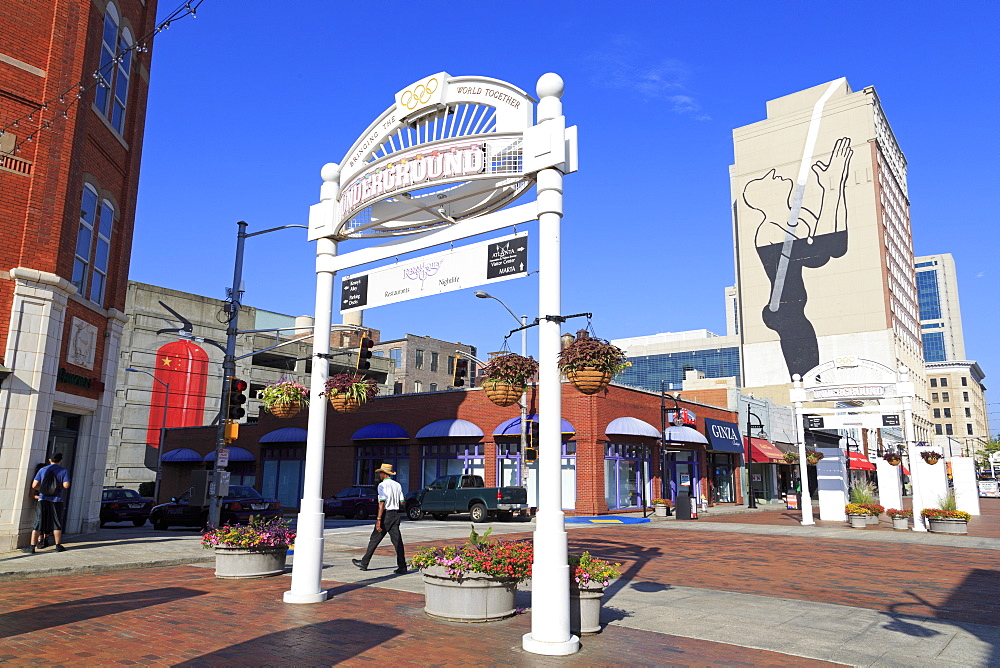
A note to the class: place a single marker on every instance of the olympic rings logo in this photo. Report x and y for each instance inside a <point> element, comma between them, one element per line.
<point>419,94</point>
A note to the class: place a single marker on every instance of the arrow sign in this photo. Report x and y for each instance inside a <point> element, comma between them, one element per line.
<point>465,267</point>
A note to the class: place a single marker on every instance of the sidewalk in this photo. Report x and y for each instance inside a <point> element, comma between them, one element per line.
<point>698,592</point>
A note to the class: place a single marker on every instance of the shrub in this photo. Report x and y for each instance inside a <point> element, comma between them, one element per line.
<point>862,492</point>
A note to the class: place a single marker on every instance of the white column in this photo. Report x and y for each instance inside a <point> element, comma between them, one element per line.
<point>797,396</point>
<point>963,476</point>
<point>307,564</point>
<point>890,493</point>
<point>906,394</point>
<point>831,481</point>
<point>550,570</point>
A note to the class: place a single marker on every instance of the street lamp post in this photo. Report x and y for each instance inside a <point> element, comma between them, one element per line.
<point>163,430</point>
<point>523,321</point>
<point>751,499</point>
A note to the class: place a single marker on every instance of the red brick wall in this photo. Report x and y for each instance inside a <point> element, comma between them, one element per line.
<point>589,415</point>
<point>39,212</point>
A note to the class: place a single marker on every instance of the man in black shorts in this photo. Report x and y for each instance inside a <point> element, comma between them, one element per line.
<point>50,484</point>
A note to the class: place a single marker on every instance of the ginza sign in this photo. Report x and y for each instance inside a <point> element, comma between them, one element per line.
<point>430,164</point>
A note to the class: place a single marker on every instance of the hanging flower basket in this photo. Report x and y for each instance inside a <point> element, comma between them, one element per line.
<point>507,374</point>
<point>501,393</point>
<point>285,398</point>
<point>813,457</point>
<point>589,363</point>
<point>892,458</point>
<point>589,380</point>
<point>791,457</point>
<point>347,391</point>
<point>931,457</point>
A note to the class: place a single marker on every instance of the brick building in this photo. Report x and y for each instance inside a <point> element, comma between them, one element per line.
<point>69,172</point>
<point>612,451</point>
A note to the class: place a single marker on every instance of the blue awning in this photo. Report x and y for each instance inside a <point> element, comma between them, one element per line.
<point>236,454</point>
<point>181,455</point>
<point>723,436</point>
<point>630,426</point>
<point>512,427</point>
<point>380,430</point>
<point>285,435</point>
<point>451,428</point>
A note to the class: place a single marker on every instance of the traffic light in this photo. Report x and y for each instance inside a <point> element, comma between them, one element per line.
<point>365,352</point>
<point>237,398</point>
<point>530,455</point>
<point>461,372</point>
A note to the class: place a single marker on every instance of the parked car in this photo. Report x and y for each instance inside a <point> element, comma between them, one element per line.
<point>124,505</point>
<point>237,507</point>
<point>359,502</point>
<point>466,494</point>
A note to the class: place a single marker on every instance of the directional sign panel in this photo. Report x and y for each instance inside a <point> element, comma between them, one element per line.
<point>466,267</point>
<point>852,421</point>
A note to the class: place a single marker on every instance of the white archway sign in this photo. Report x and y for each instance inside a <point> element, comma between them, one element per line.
<point>443,163</point>
<point>852,378</point>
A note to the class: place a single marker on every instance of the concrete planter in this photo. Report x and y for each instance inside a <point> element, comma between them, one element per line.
<point>948,525</point>
<point>477,597</point>
<point>858,521</point>
<point>250,562</point>
<point>585,609</point>
<point>661,511</point>
<point>900,524</point>
<point>872,519</point>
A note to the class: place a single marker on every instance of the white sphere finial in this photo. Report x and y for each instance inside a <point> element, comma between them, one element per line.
<point>330,172</point>
<point>550,84</point>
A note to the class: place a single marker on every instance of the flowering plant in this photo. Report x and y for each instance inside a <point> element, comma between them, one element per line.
<point>791,457</point>
<point>258,533</point>
<point>585,569</point>
<point>858,509</point>
<point>663,502</point>
<point>892,457</point>
<point>930,454</point>
<point>353,385</point>
<point>814,455</point>
<point>599,354</point>
<point>284,392</point>
<point>938,514</point>
<point>873,508</point>
<point>501,558</point>
<point>511,368</point>
<point>898,514</point>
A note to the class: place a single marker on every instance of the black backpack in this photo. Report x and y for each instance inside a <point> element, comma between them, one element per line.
<point>50,483</point>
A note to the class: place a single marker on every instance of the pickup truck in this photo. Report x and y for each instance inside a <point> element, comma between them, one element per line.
<point>466,494</point>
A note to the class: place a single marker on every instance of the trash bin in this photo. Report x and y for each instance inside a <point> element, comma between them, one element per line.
<point>682,509</point>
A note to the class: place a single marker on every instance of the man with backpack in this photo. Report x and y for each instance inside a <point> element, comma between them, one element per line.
<point>50,483</point>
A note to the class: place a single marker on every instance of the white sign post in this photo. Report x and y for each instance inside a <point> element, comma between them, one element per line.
<point>442,164</point>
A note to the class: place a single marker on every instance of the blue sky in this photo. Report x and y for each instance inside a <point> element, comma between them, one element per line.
<point>250,99</point>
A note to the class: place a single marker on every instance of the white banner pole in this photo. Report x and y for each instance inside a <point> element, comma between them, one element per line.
<point>550,571</point>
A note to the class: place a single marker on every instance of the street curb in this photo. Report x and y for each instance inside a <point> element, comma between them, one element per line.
<point>6,576</point>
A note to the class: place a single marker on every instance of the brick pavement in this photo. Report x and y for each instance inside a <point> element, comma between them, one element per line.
<point>185,616</point>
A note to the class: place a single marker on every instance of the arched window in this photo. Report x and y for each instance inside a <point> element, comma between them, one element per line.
<point>93,245</point>
<point>111,96</point>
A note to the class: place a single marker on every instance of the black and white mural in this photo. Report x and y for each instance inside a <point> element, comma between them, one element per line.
<point>801,225</point>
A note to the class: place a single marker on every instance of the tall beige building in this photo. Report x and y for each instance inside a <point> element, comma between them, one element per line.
<point>824,253</point>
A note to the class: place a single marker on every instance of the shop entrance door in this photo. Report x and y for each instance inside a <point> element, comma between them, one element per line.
<point>681,474</point>
<point>63,435</point>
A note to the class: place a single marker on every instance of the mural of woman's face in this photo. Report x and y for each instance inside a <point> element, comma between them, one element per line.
<point>764,195</point>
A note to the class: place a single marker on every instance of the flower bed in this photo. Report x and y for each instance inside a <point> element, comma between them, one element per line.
<point>588,571</point>
<point>501,558</point>
<point>258,533</point>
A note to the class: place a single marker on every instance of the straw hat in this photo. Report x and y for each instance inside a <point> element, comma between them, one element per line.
<point>385,468</point>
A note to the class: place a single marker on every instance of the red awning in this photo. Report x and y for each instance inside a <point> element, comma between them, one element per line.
<point>858,462</point>
<point>763,451</point>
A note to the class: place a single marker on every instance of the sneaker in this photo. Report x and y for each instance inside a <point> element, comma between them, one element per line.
<point>44,543</point>
<point>28,550</point>
<point>359,564</point>
<point>60,548</point>
<point>401,571</point>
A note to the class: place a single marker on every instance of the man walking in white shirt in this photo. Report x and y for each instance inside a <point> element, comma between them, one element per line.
<point>390,498</point>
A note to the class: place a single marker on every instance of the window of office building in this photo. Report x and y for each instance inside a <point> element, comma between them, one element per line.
<point>948,429</point>
<point>928,297</point>
<point>937,412</point>
<point>945,396</point>
<point>968,429</point>
<point>93,246</point>
<point>418,386</point>
<point>933,382</point>
<point>965,381</point>
<point>647,371</point>
<point>947,412</point>
<point>933,348</point>
<point>111,93</point>
<point>937,429</point>
<point>944,382</point>
<point>433,387</point>
<point>434,361</point>
<point>934,397</point>
<point>965,396</point>
<point>968,412</point>
<point>451,364</point>
<point>419,361</point>
<point>396,355</point>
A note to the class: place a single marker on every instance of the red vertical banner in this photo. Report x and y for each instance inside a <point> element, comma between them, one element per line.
<point>184,367</point>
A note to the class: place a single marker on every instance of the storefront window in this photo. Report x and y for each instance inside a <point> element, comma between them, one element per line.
<point>626,475</point>
<point>513,471</point>
<point>681,474</point>
<point>370,457</point>
<point>721,488</point>
<point>452,459</point>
